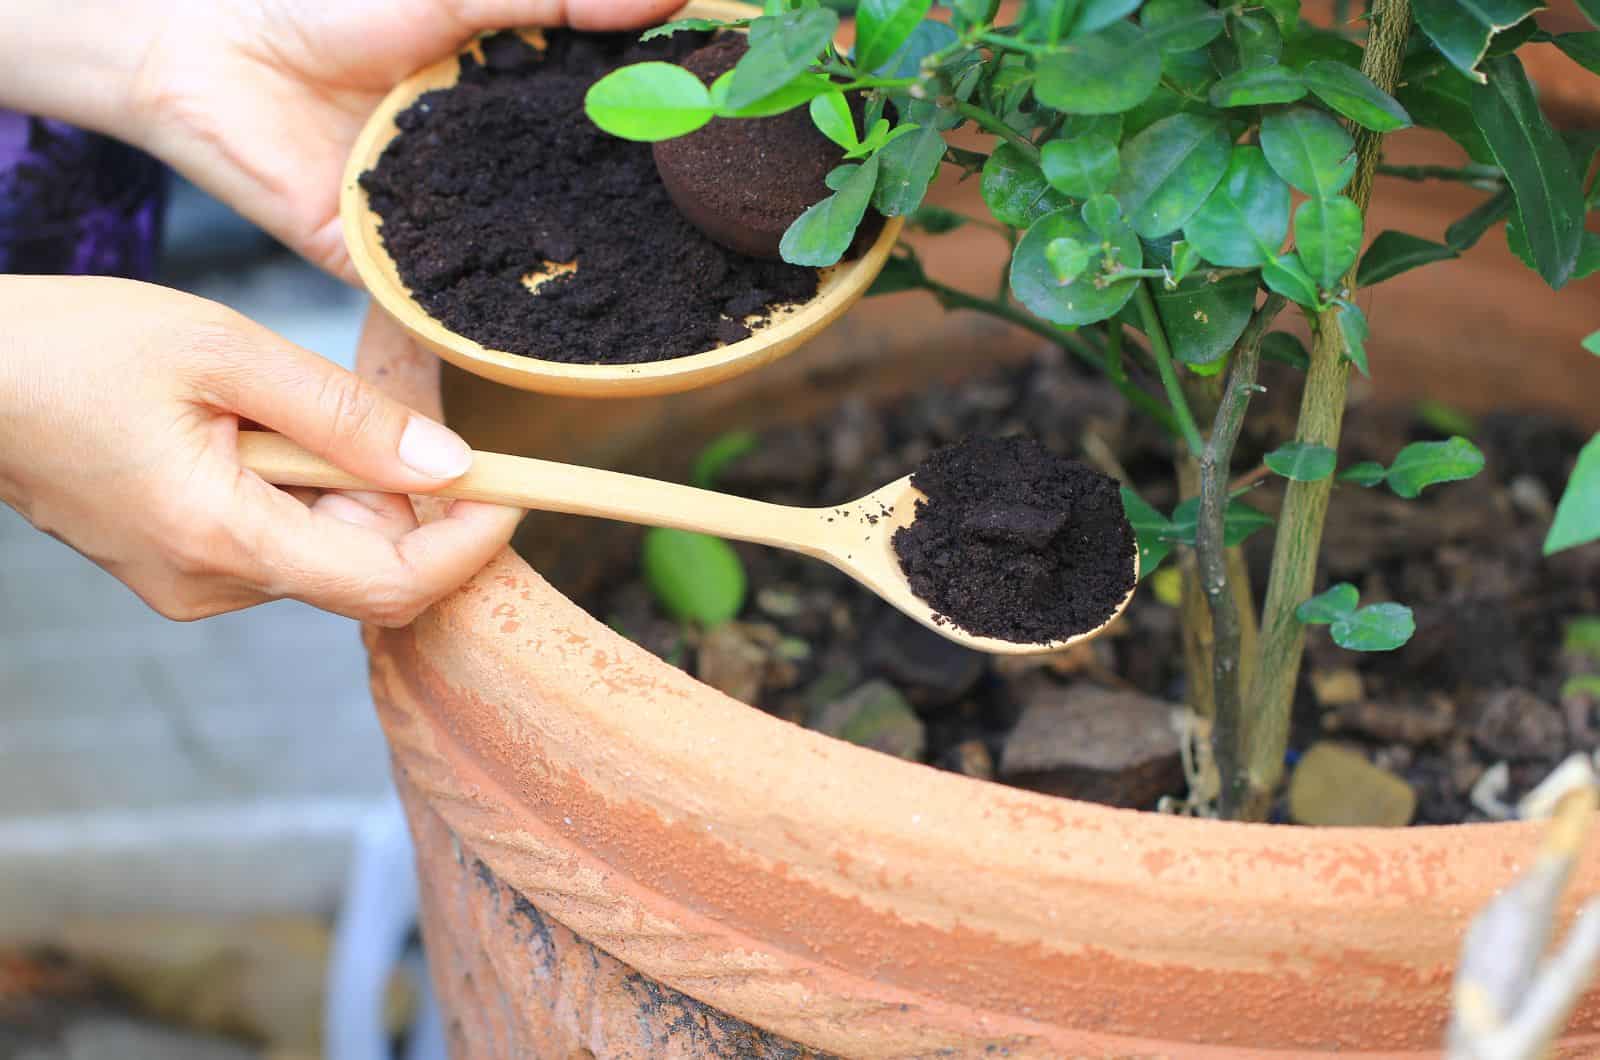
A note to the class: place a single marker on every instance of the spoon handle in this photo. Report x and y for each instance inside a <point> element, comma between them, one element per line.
<point>545,485</point>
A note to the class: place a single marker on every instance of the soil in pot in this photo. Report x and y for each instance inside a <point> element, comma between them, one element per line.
<point>503,176</point>
<point>1505,666</point>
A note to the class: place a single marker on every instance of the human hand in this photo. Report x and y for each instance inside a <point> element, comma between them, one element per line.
<point>260,102</point>
<point>119,416</point>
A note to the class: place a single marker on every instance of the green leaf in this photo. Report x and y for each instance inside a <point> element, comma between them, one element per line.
<point>1376,627</point>
<point>1367,473</point>
<point>1105,73</point>
<point>1256,41</point>
<point>902,272</point>
<point>1461,29</point>
<point>1353,326</point>
<point>830,113</point>
<point>1591,342</point>
<point>822,234</point>
<point>1286,13</point>
<point>1203,320</point>
<point>1465,233</point>
<point>1302,461</point>
<point>648,102</point>
<point>1287,276</point>
<point>1393,253</point>
<point>882,26</point>
<point>1331,604</point>
<point>1445,419</point>
<point>800,91</point>
<point>1591,10</point>
<point>697,25</point>
<point>909,165</point>
<point>716,456</point>
<point>934,220</point>
<point>1582,48</point>
<point>1068,258</point>
<point>696,577</point>
<point>1103,215</point>
<point>1284,348</point>
<point>1256,85</point>
<point>927,38</point>
<point>1352,94</point>
<point>1577,519</point>
<point>1245,219</point>
<point>1148,526</point>
<point>781,47</point>
<point>1180,25</point>
<point>1081,167</point>
<point>1096,15</point>
<point>1442,101</point>
<point>1239,521</point>
<point>1169,170</point>
<point>1015,189</point>
<point>1085,300</point>
<point>1327,233</point>
<point>1537,165</point>
<point>1185,259</point>
<point>1422,464</point>
<point>1309,149</point>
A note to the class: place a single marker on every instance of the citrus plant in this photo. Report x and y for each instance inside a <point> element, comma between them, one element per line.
<point>1187,170</point>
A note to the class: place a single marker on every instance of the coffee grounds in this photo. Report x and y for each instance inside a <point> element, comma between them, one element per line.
<point>744,181</point>
<point>504,174</point>
<point>1015,542</point>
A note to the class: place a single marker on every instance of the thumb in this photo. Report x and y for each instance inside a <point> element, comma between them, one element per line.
<point>579,14</point>
<point>332,412</point>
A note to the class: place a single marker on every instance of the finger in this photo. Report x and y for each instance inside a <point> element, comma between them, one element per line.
<point>579,14</point>
<point>356,570</point>
<point>389,514</point>
<point>331,411</point>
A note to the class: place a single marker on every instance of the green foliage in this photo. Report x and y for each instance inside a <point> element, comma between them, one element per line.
<point>1352,93</point>
<point>1393,253</point>
<point>824,232</point>
<point>1015,188</point>
<point>1309,149</point>
<point>883,26</point>
<point>715,457</point>
<point>697,578</point>
<point>781,48</point>
<point>1461,29</point>
<point>649,101</point>
<point>1577,520</point>
<point>1169,170</point>
<point>1422,464</point>
<point>1148,525</point>
<point>1328,233</point>
<point>1204,319</point>
<point>1109,72</point>
<point>1255,85</point>
<point>1239,521</point>
<point>1245,219</point>
<point>1092,296</point>
<point>1083,166</point>
<point>1284,348</point>
<point>1376,627</point>
<point>1301,461</point>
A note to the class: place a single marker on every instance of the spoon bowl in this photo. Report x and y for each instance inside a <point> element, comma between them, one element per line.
<point>838,287</point>
<point>856,537</point>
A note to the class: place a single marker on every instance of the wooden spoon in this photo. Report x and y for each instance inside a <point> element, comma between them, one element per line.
<point>838,286</point>
<point>855,537</point>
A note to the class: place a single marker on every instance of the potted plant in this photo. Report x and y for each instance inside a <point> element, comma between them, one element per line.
<point>1151,159</point>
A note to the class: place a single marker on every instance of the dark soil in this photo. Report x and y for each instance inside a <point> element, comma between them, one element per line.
<point>1481,682</point>
<point>1016,542</point>
<point>503,175</point>
<point>741,181</point>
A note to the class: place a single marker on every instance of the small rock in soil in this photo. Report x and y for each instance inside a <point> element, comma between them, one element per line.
<point>1513,723</point>
<point>740,660</point>
<point>1394,722</point>
<point>1337,687</point>
<point>1334,785</point>
<point>875,715</point>
<point>933,670</point>
<point>1081,741</point>
<point>970,757</point>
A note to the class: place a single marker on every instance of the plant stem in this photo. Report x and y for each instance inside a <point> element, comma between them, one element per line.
<point>1211,550</point>
<point>1162,352</point>
<point>1264,730</point>
<point>1114,366</point>
<point>996,126</point>
<point>1463,174</point>
<point>953,298</point>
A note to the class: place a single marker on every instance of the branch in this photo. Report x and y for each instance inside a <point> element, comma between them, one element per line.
<point>996,126</point>
<point>1265,727</point>
<point>1211,549</point>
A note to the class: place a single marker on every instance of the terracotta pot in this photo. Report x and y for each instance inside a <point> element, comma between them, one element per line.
<point>620,862</point>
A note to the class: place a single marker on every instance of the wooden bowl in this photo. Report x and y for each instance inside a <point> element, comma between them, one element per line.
<point>838,286</point>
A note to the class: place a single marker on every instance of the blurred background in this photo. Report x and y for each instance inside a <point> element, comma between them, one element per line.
<point>180,804</point>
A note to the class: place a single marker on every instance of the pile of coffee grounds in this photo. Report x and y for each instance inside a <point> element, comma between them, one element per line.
<point>1015,542</point>
<point>743,181</point>
<point>503,175</point>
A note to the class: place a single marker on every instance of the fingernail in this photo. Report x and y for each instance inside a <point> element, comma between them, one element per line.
<point>431,449</point>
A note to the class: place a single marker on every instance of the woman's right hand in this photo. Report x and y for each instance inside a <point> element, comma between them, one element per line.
<point>120,405</point>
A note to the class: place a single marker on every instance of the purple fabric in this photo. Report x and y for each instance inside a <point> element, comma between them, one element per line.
<point>76,203</point>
